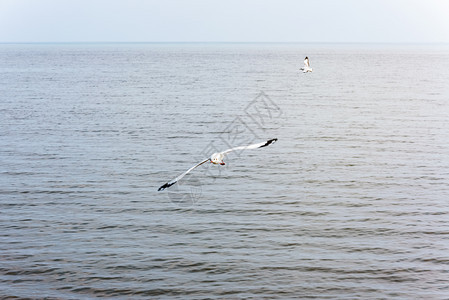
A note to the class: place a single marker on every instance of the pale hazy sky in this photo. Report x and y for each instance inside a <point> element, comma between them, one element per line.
<point>390,21</point>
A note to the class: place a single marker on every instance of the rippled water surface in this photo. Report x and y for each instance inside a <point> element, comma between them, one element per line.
<point>352,202</point>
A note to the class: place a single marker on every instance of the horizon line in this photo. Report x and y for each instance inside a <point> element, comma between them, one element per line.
<point>221,42</point>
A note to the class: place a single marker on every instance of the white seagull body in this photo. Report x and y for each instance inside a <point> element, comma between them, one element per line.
<point>217,159</point>
<point>306,67</point>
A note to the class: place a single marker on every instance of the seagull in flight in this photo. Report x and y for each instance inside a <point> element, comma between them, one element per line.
<point>306,67</point>
<point>216,159</point>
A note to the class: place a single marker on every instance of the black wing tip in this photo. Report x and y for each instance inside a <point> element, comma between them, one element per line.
<point>269,142</point>
<point>167,185</point>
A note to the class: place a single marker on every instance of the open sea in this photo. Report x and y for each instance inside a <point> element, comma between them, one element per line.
<point>351,202</point>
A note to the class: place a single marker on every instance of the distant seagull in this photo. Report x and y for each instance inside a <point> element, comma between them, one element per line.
<point>306,67</point>
<point>217,159</point>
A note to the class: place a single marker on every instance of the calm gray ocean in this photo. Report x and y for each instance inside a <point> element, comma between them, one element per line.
<point>352,202</point>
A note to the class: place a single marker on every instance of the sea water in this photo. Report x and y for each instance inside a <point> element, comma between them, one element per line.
<point>352,201</point>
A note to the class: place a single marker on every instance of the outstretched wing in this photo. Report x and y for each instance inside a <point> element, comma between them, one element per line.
<point>253,146</point>
<point>172,182</point>
<point>306,62</point>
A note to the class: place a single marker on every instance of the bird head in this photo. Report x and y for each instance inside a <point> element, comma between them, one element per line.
<point>217,159</point>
